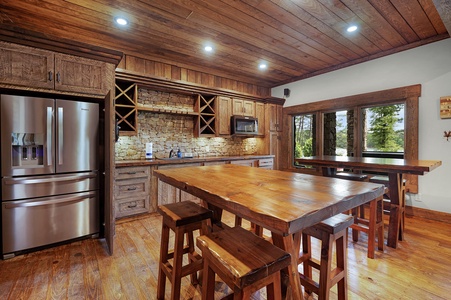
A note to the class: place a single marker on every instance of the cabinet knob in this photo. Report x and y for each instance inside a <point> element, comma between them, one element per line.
<point>58,77</point>
<point>131,188</point>
<point>50,75</point>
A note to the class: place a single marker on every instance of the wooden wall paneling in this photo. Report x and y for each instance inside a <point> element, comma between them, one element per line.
<point>411,139</point>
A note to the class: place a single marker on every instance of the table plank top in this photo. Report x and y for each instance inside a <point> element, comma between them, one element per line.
<point>283,202</point>
<point>391,165</point>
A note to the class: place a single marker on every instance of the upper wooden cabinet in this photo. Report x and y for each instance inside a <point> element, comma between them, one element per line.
<point>36,68</point>
<point>224,113</point>
<point>274,117</point>
<point>260,115</point>
<point>80,75</point>
<point>243,107</point>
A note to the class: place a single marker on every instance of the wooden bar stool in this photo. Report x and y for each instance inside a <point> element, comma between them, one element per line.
<point>244,261</point>
<point>373,225</point>
<point>328,231</point>
<point>182,218</point>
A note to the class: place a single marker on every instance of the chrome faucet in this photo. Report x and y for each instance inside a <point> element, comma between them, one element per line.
<point>170,153</point>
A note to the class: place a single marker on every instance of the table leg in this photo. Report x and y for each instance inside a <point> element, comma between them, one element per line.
<point>291,244</point>
<point>395,230</point>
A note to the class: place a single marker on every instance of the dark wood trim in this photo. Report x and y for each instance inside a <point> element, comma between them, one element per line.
<point>428,214</point>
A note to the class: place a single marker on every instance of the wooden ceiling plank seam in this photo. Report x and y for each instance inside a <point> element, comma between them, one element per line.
<point>263,43</point>
<point>266,28</point>
<point>297,11</point>
<point>289,65</point>
<point>314,33</point>
<point>434,16</point>
<point>248,43</point>
<point>302,40</point>
<point>232,61</point>
<point>373,19</point>
<point>415,16</point>
<point>337,25</point>
<point>394,18</point>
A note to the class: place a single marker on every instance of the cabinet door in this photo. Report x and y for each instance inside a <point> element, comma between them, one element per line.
<point>80,75</point>
<point>224,113</point>
<point>26,66</point>
<point>238,107</point>
<point>275,117</point>
<point>260,115</point>
<point>274,147</point>
<point>249,108</point>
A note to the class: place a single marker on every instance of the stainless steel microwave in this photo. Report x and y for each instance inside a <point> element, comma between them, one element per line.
<point>241,125</point>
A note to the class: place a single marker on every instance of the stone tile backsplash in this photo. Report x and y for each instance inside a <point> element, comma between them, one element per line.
<point>167,131</point>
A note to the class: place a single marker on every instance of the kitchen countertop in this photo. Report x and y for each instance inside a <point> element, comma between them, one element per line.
<point>167,161</point>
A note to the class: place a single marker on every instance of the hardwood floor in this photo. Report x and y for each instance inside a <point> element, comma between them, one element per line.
<point>419,269</point>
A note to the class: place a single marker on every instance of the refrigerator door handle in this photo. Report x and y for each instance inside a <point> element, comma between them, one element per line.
<point>60,200</point>
<point>49,136</point>
<point>60,136</point>
<point>11,181</point>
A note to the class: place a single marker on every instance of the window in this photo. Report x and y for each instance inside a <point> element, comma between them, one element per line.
<point>355,126</point>
<point>383,131</point>
<point>304,135</point>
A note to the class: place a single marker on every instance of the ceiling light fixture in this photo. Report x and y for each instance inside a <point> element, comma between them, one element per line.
<point>352,28</point>
<point>262,66</point>
<point>208,48</point>
<point>121,21</point>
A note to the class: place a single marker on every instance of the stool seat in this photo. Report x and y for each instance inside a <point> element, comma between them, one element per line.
<point>182,218</point>
<point>328,231</point>
<point>351,176</point>
<point>244,261</point>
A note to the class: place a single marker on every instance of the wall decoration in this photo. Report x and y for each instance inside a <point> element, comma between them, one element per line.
<point>445,107</point>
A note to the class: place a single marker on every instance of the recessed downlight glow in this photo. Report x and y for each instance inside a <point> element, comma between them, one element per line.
<point>262,66</point>
<point>121,21</point>
<point>208,48</point>
<point>351,28</point>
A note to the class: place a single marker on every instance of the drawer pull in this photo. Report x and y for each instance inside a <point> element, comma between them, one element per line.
<point>133,206</point>
<point>131,188</point>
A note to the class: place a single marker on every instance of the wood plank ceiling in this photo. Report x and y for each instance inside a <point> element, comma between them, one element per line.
<point>297,38</point>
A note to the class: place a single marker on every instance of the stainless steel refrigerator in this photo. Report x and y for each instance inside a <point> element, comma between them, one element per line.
<point>49,171</point>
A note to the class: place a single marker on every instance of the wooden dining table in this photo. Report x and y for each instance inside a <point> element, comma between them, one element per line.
<point>282,202</point>
<point>395,168</point>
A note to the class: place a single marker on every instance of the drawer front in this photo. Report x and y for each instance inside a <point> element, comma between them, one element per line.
<point>131,206</point>
<point>131,172</point>
<point>131,187</point>
<point>247,163</point>
<point>266,163</point>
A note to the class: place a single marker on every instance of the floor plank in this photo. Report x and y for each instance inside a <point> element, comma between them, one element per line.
<point>418,269</point>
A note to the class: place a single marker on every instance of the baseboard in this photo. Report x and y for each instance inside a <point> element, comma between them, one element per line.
<point>428,214</point>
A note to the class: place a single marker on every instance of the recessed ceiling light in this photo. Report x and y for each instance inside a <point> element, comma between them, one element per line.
<point>262,66</point>
<point>121,21</point>
<point>351,28</point>
<point>208,48</point>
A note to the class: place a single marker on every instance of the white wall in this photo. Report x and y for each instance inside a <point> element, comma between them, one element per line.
<point>428,65</point>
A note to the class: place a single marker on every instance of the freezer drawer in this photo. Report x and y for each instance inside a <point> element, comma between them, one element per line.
<point>37,222</point>
<point>16,188</point>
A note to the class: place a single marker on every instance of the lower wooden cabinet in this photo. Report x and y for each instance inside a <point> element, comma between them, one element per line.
<point>131,191</point>
<point>169,194</point>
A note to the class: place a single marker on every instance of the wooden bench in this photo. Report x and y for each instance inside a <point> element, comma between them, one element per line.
<point>244,261</point>
<point>182,218</point>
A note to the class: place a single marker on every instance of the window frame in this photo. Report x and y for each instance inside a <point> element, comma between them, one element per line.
<point>408,95</point>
